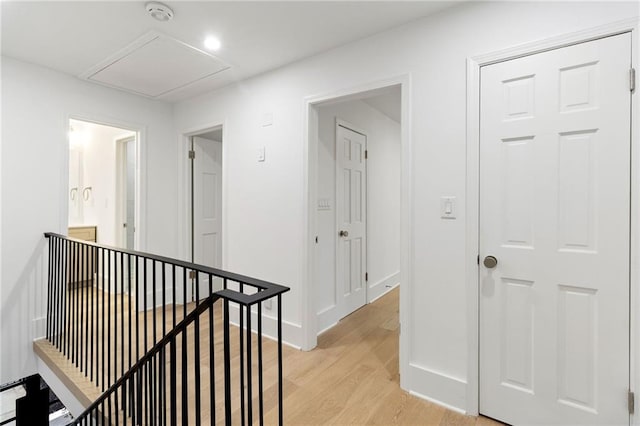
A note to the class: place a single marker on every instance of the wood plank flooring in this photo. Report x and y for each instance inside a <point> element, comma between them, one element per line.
<point>351,378</point>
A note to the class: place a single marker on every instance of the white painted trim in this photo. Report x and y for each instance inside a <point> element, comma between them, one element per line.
<point>184,189</point>
<point>291,332</point>
<point>140,240</point>
<point>442,388</point>
<point>377,290</point>
<point>472,194</point>
<point>309,188</point>
<point>436,401</point>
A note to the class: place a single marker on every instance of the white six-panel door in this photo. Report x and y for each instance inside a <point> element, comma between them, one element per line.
<point>555,201</point>
<point>351,212</point>
<point>207,207</point>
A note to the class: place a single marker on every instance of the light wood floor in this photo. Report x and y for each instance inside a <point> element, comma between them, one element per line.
<point>351,378</point>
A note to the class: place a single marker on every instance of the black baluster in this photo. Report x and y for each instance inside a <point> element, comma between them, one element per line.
<point>260,383</point>
<point>185,404</point>
<point>241,330</point>
<point>249,374</point>
<point>52,259</point>
<point>212,372</point>
<point>173,373</point>
<point>280,384</point>
<point>227,362</point>
<point>105,294</point>
<point>108,295</point>
<point>196,338</point>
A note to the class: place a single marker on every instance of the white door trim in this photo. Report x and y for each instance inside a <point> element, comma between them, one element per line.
<point>140,239</point>
<point>473,194</point>
<point>184,188</point>
<point>310,195</point>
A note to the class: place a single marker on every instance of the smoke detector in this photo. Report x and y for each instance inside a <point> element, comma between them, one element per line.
<point>158,11</point>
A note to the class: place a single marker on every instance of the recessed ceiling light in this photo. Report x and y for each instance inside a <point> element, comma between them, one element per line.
<point>158,11</point>
<point>212,43</point>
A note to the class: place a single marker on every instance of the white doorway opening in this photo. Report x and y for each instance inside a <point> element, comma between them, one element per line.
<point>358,210</point>
<point>318,204</point>
<point>103,192</point>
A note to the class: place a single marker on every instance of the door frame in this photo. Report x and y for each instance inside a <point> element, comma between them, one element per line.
<point>184,189</point>
<point>140,237</point>
<point>121,184</point>
<point>472,273</point>
<point>309,332</point>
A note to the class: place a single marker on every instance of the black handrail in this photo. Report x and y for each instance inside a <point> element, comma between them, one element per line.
<point>98,328</point>
<point>231,276</point>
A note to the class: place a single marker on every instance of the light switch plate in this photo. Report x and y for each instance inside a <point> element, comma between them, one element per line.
<point>267,119</point>
<point>261,153</point>
<point>324,204</point>
<point>448,208</point>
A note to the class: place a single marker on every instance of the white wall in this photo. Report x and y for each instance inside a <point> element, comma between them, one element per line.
<point>36,104</point>
<point>383,202</point>
<point>266,222</point>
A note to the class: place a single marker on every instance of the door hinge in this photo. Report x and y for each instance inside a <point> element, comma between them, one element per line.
<point>632,80</point>
<point>631,402</point>
<point>366,154</point>
<point>192,154</point>
<point>192,275</point>
<point>366,276</point>
<point>478,259</point>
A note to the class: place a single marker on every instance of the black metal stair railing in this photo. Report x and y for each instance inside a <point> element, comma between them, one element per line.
<point>157,358</point>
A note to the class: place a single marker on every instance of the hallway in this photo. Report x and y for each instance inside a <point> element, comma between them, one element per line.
<point>352,377</point>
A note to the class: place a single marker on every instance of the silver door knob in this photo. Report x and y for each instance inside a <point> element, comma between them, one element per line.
<point>490,261</point>
<point>344,233</point>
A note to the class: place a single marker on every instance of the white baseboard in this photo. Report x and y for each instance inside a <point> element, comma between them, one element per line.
<point>291,333</point>
<point>383,286</point>
<point>327,318</point>
<point>437,387</point>
<point>39,327</point>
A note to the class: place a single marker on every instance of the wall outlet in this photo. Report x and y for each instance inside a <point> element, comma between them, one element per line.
<point>267,304</point>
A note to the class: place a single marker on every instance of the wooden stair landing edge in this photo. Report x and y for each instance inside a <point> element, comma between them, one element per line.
<point>78,384</point>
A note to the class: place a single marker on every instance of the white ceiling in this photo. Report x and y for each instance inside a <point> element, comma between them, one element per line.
<point>73,37</point>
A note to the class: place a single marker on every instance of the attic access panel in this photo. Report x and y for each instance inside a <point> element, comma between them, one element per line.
<point>155,65</point>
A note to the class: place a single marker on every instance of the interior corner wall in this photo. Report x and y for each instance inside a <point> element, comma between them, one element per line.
<point>265,206</point>
<point>36,105</point>
<point>383,204</point>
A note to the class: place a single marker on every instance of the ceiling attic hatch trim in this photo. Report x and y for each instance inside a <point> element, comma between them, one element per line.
<point>155,65</point>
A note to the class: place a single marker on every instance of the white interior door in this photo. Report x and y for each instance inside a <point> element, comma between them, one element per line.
<point>555,201</point>
<point>207,208</point>
<point>351,219</point>
<point>130,189</point>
